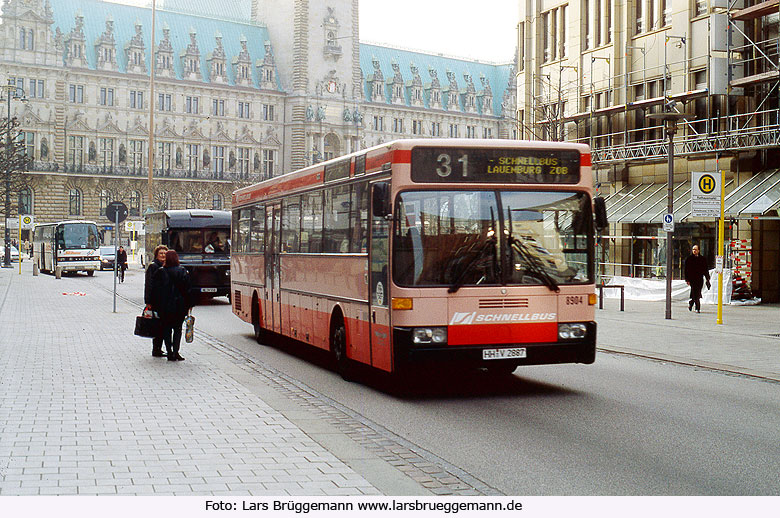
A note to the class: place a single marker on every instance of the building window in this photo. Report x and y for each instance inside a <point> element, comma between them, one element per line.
<point>586,22</point>
<point>435,129</point>
<point>243,110</point>
<point>136,99</point>
<point>135,203</point>
<point>243,161</point>
<point>218,107</point>
<point>453,130</point>
<point>562,24</point>
<point>471,132</point>
<point>25,201</point>
<point>28,139</point>
<point>103,201</point>
<point>218,159</point>
<point>76,152</point>
<point>268,112</point>
<point>269,158</point>
<point>701,7</point>
<point>74,202</point>
<point>164,103</point>
<point>379,123</point>
<point>76,93</point>
<point>106,97</point>
<point>36,89</point>
<point>106,146</point>
<point>164,152</point>
<point>398,125</point>
<point>217,202</point>
<point>192,157</point>
<point>417,127</point>
<point>136,155</point>
<point>487,132</point>
<point>191,104</point>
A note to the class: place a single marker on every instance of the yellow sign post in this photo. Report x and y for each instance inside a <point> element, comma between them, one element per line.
<point>19,244</point>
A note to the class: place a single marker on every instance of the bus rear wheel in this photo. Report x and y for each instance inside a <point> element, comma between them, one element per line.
<point>501,369</point>
<point>90,272</point>
<point>260,332</point>
<point>338,345</point>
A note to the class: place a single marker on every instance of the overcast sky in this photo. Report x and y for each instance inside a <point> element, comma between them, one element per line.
<point>476,29</point>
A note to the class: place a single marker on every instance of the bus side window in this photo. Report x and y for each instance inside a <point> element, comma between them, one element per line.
<point>359,218</point>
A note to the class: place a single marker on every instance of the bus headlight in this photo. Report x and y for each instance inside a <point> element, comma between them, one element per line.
<point>429,335</point>
<point>572,331</point>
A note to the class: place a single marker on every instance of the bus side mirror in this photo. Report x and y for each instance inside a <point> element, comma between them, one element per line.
<point>600,211</point>
<point>380,202</point>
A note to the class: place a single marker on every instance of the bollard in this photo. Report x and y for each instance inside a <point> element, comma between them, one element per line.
<point>58,272</point>
<point>35,270</point>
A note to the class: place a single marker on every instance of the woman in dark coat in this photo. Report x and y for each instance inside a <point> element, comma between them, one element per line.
<point>171,287</point>
<point>156,264</point>
<point>696,271</point>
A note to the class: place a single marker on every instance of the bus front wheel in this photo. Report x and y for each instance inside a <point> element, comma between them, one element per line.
<point>90,272</point>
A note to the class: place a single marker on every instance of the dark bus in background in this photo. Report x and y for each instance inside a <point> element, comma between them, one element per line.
<point>202,240</point>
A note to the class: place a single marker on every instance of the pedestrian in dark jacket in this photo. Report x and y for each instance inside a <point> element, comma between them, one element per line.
<point>171,288</point>
<point>156,264</point>
<point>696,271</point>
<point>121,261</point>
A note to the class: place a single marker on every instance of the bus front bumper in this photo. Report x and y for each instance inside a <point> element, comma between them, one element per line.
<point>570,351</point>
<point>73,266</point>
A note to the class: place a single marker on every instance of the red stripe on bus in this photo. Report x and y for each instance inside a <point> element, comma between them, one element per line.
<point>376,161</point>
<point>585,159</point>
<point>402,156</point>
<point>479,334</point>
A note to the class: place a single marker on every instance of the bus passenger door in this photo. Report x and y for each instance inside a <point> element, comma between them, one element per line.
<point>381,354</point>
<point>273,298</point>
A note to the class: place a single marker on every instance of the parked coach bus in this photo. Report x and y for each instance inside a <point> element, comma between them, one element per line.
<point>71,246</point>
<point>478,252</point>
<point>202,240</point>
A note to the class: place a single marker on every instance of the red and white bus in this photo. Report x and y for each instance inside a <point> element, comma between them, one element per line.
<point>477,252</point>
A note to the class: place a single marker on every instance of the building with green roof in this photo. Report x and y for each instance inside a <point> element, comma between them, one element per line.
<point>243,90</point>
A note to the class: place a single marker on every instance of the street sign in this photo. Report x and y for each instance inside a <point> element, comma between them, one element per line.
<point>134,226</point>
<point>28,222</point>
<point>719,263</point>
<point>705,195</point>
<point>668,222</point>
<point>114,209</point>
<point>12,223</point>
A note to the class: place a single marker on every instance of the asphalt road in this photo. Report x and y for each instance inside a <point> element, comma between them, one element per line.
<point>623,426</point>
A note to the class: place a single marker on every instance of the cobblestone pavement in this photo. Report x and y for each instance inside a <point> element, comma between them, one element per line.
<point>84,409</point>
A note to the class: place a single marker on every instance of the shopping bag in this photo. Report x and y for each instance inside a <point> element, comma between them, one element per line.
<point>189,331</point>
<point>148,325</point>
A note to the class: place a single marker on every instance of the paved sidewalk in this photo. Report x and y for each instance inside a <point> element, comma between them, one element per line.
<point>748,341</point>
<point>82,411</point>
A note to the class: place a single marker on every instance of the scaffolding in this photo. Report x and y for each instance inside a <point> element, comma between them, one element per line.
<point>742,93</point>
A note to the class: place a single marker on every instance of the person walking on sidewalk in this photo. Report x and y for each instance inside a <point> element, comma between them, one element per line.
<point>156,264</point>
<point>121,261</point>
<point>171,287</point>
<point>696,271</point>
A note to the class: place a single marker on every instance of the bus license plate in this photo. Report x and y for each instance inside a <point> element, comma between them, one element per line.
<point>208,290</point>
<point>503,354</point>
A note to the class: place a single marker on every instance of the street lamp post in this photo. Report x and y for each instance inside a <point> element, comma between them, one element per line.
<point>670,125</point>
<point>11,90</point>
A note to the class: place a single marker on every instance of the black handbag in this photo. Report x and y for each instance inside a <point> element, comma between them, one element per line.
<point>147,326</point>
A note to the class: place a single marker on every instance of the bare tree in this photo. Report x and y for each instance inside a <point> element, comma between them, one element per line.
<point>14,161</point>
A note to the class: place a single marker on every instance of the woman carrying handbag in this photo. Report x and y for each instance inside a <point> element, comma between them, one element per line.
<point>171,287</point>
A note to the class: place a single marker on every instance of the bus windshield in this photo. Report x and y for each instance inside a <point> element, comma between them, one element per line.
<point>77,235</point>
<point>200,241</point>
<point>469,238</point>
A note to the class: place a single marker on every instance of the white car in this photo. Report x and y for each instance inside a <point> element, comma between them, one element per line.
<point>14,253</point>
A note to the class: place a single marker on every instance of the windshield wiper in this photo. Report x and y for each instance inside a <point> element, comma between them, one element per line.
<point>532,262</point>
<point>489,246</point>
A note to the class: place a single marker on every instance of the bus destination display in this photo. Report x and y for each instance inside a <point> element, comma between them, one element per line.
<point>496,165</point>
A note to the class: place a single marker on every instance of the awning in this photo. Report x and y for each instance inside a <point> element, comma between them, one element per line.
<point>756,197</point>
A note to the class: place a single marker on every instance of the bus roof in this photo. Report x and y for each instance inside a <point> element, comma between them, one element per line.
<point>377,156</point>
<point>195,218</point>
<point>65,222</point>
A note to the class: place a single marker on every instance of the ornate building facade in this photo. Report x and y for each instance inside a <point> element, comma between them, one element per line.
<point>244,91</point>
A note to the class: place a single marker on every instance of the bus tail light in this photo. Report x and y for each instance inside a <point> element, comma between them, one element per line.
<point>592,299</point>
<point>572,331</point>
<point>429,335</point>
<point>402,303</point>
